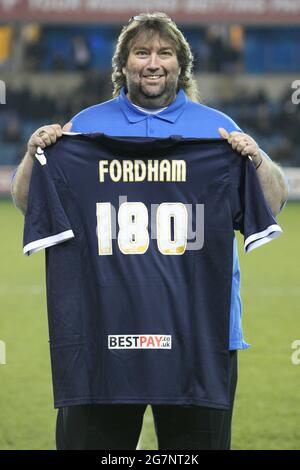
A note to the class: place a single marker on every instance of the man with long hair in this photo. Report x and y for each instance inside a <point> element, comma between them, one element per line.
<point>155,95</point>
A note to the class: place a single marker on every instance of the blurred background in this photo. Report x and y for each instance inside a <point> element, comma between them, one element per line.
<point>55,60</point>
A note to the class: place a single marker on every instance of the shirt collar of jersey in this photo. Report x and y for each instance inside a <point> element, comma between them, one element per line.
<point>170,114</point>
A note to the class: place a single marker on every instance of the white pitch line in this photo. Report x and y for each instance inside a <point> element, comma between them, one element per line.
<point>271,291</point>
<point>15,289</point>
<point>37,289</point>
<point>139,446</point>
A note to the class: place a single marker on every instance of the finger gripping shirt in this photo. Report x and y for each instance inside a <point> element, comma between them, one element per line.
<point>138,235</point>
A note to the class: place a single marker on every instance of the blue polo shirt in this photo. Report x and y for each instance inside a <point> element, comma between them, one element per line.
<point>119,117</point>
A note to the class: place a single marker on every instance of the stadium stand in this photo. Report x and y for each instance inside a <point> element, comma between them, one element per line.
<point>79,57</point>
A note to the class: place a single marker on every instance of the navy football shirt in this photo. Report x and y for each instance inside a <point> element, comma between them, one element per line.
<point>139,243</point>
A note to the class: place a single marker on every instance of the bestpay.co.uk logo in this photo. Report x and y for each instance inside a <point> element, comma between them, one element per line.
<point>139,342</point>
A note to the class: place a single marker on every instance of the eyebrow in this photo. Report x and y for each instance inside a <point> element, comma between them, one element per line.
<point>147,48</point>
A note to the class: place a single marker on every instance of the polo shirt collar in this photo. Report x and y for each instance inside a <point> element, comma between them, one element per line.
<point>170,114</point>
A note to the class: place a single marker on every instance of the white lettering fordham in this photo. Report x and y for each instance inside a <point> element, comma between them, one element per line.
<point>139,170</point>
<point>139,342</point>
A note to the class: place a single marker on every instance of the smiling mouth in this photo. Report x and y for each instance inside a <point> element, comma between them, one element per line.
<point>153,77</point>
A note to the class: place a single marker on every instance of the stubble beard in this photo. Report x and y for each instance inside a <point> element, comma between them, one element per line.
<point>158,98</point>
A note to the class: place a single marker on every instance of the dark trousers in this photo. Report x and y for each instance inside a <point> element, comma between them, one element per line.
<point>116,427</point>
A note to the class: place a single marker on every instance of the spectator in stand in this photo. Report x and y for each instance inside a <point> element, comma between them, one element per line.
<point>81,53</point>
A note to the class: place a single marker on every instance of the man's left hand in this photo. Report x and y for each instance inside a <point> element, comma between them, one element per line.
<point>242,143</point>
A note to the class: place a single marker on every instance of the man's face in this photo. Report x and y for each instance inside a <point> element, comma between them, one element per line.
<point>152,72</point>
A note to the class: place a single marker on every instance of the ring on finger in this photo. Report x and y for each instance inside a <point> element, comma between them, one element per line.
<point>41,133</point>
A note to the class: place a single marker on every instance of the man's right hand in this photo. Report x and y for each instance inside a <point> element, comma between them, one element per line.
<point>45,136</point>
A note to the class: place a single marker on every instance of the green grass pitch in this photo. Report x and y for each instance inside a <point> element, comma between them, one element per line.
<point>267,411</point>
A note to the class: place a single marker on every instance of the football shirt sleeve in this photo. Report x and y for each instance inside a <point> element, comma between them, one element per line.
<point>251,214</point>
<point>46,223</point>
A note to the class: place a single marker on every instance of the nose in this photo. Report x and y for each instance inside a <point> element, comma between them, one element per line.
<point>153,63</point>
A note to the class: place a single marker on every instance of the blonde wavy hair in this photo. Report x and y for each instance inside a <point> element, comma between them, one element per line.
<point>151,24</point>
